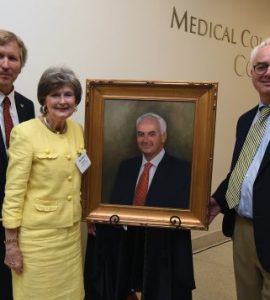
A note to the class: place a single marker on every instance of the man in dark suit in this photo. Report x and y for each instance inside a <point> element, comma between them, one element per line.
<point>13,56</point>
<point>156,262</point>
<point>248,219</point>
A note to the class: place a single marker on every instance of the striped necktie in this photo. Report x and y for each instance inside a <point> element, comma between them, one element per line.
<point>8,123</point>
<point>250,146</point>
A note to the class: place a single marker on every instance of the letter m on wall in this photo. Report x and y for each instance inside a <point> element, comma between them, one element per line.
<point>175,19</point>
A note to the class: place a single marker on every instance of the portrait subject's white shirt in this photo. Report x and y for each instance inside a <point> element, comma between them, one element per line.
<point>155,162</point>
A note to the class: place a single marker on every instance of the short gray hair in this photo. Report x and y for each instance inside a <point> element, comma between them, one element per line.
<point>256,49</point>
<point>151,115</point>
<point>54,78</point>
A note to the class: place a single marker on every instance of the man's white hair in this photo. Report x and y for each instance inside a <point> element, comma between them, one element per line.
<point>161,121</point>
<point>256,49</point>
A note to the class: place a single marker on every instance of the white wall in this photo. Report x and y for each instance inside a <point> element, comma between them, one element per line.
<point>124,39</point>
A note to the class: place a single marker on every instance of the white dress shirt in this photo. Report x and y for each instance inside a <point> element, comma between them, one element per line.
<point>155,162</point>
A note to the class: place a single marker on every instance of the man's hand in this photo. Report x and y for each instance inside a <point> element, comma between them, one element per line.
<point>213,210</point>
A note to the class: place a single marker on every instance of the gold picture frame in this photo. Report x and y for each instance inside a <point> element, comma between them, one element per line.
<point>112,107</point>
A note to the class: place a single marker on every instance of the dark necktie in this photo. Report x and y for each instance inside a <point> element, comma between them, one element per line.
<point>251,144</point>
<point>8,123</point>
<point>142,186</point>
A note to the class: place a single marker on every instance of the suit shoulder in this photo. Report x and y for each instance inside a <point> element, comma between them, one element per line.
<point>22,98</point>
<point>130,163</point>
<point>249,114</point>
<point>137,159</point>
<point>175,160</point>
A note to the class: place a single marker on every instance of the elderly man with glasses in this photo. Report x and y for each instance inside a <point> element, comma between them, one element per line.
<point>244,196</point>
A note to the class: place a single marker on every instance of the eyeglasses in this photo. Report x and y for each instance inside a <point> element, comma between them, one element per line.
<point>260,68</point>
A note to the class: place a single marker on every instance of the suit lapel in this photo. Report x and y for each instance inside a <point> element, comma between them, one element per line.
<point>20,106</point>
<point>247,122</point>
<point>266,158</point>
<point>159,174</point>
<point>134,172</point>
<point>2,148</point>
<point>243,127</point>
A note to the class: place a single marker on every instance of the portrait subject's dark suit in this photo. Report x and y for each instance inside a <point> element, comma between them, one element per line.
<point>25,110</point>
<point>261,194</point>
<point>155,261</point>
<point>169,187</point>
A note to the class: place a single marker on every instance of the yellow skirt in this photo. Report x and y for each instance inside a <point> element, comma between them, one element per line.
<point>52,262</point>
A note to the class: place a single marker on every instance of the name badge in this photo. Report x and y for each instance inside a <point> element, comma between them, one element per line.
<point>83,162</point>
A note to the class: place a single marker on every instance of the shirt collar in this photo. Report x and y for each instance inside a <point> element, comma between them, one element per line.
<point>11,97</point>
<point>156,160</point>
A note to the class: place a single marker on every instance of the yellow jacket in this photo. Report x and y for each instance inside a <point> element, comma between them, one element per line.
<point>43,182</point>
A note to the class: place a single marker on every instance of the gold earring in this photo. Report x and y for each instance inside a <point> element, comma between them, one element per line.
<point>44,109</point>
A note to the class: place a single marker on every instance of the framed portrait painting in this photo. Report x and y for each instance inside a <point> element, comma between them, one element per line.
<point>112,111</point>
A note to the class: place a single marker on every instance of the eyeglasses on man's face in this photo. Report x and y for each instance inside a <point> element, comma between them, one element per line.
<point>260,68</point>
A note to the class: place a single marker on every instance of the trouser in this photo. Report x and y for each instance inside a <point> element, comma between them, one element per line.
<point>252,281</point>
